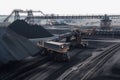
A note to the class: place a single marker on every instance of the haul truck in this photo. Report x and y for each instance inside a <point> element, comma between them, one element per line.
<point>60,50</point>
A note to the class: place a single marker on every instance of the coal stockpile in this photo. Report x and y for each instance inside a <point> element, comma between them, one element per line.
<point>14,47</point>
<point>29,31</point>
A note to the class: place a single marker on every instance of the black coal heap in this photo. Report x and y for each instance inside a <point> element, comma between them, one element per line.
<point>14,47</point>
<point>29,31</point>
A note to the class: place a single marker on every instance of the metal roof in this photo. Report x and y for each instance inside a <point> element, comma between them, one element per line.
<point>56,43</point>
<point>14,47</point>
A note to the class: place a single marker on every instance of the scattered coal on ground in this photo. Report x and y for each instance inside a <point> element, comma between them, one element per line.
<point>58,31</point>
<point>116,68</point>
<point>111,70</point>
<point>29,31</point>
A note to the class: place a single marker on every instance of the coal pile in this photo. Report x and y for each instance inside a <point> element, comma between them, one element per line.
<point>29,31</point>
<point>14,47</point>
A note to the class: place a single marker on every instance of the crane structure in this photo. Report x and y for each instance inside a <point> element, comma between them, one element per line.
<point>106,23</point>
<point>29,18</point>
<point>51,19</point>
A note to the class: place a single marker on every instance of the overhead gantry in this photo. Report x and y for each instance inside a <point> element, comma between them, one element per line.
<point>29,18</point>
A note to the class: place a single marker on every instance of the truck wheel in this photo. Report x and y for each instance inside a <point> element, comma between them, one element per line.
<point>85,45</point>
<point>66,57</point>
<point>57,57</point>
<point>44,52</point>
<point>79,46</point>
<point>62,57</point>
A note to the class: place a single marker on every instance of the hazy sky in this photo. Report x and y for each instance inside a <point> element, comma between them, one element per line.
<point>63,6</point>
